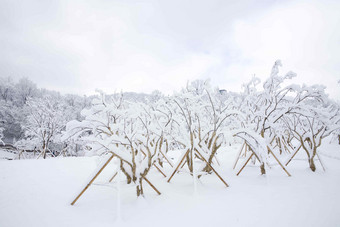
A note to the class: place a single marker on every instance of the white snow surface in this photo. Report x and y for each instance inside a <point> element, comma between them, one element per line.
<point>39,193</point>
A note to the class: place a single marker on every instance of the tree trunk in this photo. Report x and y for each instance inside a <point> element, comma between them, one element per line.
<point>160,162</point>
<point>311,160</point>
<point>311,164</point>
<point>263,170</point>
<point>139,188</point>
<point>128,177</point>
<point>44,153</point>
<point>213,153</point>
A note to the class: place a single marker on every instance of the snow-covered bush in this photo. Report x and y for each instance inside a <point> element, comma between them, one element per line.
<point>202,120</point>
<point>274,113</point>
<point>132,132</point>
<point>260,123</point>
<point>314,121</point>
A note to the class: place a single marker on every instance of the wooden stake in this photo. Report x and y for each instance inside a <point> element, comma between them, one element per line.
<point>91,181</point>
<point>245,164</point>
<point>225,183</point>
<point>183,165</point>
<point>278,161</point>
<point>166,158</point>
<point>285,146</point>
<point>218,163</point>
<point>178,165</point>
<point>323,167</point>
<point>245,150</point>
<point>239,155</point>
<point>153,187</point>
<point>159,170</point>
<point>293,156</point>
<point>113,177</point>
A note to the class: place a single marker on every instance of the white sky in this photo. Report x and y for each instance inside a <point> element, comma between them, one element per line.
<point>141,46</point>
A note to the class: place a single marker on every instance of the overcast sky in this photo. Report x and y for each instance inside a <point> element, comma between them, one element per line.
<point>141,46</point>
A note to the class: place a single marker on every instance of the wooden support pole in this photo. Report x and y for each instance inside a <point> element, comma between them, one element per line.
<point>218,163</point>
<point>225,183</point>
<point>245,164</point>
<point>91,181</point>
<point>285,146</point>
<point>178,165</point>
<point>289,143</point>
<point>239,155</point>
<point>293,156</point>
<point>113,177</point>
<point>323,167</point>
<point>159,170</point>
<point>153,187</point>
<point>279,162</point>
<point>183,165</point>
<point>166,158</point>
<point>245,150</point>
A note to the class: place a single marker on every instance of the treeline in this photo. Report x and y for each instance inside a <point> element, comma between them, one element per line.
<point>20,100</point>
<point>32,119</point>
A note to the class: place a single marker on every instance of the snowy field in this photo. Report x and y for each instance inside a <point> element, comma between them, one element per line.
<point>39,192</point>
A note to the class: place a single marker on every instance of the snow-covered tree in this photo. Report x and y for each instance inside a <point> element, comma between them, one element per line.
<point>1,135</point>
<point>263,110</point>
<point>7,91</point>
<point>25,89</point>
<point>132,132</point>
<point>43,125</point>
<point>11,117</point>
<point>201,119</point>
<point>312,122</point>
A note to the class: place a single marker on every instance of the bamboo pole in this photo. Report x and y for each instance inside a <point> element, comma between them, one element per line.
<point>166,158</point>
<point>212,169</point>
<point>323,167</point>
<point>183,165</point>
<point>279,162</point>
<point>218,163</point>
<point>178,165</point>
<point>239,155</point>
<point>245,151</point>
<point>153,187</point>
<point>113,177</point>
<point>245,164</point>
<point>159,170</point>
<point>285,145</point>
<point>293,155</point>
<point>91,181</point>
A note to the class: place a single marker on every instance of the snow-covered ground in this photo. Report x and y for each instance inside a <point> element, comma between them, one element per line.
<point>5,154</point>
<point>39,192</point>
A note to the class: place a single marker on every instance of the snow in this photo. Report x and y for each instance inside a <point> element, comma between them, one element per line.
<point>39,192</point>
<point>4,154</point>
